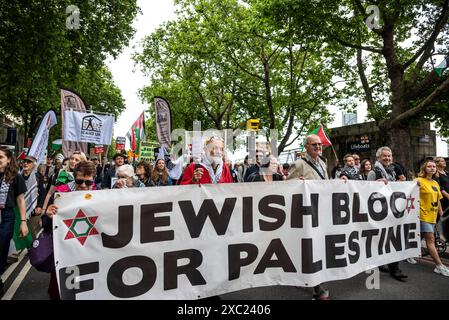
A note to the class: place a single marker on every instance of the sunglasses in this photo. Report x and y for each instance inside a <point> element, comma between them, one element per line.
<point>27,161</point>
<point>87,182</point>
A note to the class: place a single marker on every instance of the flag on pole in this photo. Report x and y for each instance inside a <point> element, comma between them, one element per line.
<point>442,66</point>
<point>40,141</point>
<point>324,138</point>
<point>71,101</point>
<point>137,133</point>
<point>163,122</point>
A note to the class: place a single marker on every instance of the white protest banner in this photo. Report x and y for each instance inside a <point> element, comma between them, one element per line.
<point>88,127</point>
<point>40,141</point>
<point>190,242</point>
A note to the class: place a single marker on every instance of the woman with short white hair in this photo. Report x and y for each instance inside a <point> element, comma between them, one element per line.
<point>126,178</point>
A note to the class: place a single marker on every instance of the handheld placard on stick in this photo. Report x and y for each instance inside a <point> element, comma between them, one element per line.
<point>197,146</point>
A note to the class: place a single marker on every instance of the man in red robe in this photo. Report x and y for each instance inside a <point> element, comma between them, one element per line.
<point>212,169</point>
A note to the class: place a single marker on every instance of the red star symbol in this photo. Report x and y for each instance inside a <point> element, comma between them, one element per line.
<point>410,204</point>
<point>81,227</point>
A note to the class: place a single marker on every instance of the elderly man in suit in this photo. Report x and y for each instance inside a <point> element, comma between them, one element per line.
<point>311,167</point>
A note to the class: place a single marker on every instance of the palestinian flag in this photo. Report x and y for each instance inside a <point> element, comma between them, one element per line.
<point>324,138</point>
<point>442,66</point>
<point>56,144</point>
<point>137,133</point>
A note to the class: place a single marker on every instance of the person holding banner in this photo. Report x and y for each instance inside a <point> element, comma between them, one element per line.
<point>429,208</point>
<point>212,168</point>
<point>384,171</point>
<point>160,175</point>
<point>350,171</point>
<point>65,174</point>
<point>84,174</point>
<point>12,191</point>
<point>126,178</point>
<point>311,167</point>
<point>268,171</point>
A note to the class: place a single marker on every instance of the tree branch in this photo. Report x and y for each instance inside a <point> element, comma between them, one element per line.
<point>351,45</point>
<point>365,84</point>
<point>312,110</point>
<point>426,49</point>
<point>423,105</point>
<point>244,69</point>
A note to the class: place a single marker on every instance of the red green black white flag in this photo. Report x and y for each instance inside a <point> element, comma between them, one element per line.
<point>137,133</point>
<point>324,138</point>
<point>442,66</point>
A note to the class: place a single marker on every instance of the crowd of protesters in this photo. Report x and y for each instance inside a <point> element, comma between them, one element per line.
<point>32,189</point>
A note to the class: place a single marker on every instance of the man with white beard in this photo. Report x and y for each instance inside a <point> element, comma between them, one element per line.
<point>211,169</point>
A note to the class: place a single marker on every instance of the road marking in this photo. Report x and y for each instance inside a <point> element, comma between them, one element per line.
<point>15,285</point>
<point>11,268</point>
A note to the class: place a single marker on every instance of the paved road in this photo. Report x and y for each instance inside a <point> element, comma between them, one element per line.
<point>23,282</point>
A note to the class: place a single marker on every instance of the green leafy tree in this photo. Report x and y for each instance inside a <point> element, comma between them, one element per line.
<point>40,54</point>
<point>395,59</point>
<point>222,63</point>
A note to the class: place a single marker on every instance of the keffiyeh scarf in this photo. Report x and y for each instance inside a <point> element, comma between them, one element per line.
<point>215,176</point>
<point>4,188</point>
<point>32,193</point>
<point>387,173</point>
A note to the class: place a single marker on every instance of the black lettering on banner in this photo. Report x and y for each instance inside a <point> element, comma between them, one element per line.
<point>125,229</point>
<point>308,265</point>
<point>82,286</point>
<point>283,260</point>
<point>377,216</point>
<point>393,239</point>
<point>275,213</point>
<point>172,270</point>
<point>354,246</point>
<point>332,251</point>
<point>149,222</point>
<point>409,235</point>
<point>380,248</point>
<point>235,261</point>
<point>394,197</point>
<point>357,216</point>
<point>299,210</point>
<point>369,234</point>
<point>115,282</point>
<point>247,216</point>
<point>220,221</point>
<point>340,204</point>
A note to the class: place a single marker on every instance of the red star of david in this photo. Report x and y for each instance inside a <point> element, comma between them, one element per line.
<point>83,231</point>
<point>410,204</point>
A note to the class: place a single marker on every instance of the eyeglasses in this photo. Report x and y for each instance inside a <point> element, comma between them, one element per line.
<point>316,144</point>
<point>87,182</point>
<point>27,161</point>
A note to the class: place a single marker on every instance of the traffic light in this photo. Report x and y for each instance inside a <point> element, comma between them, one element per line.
<point>253,125</point>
